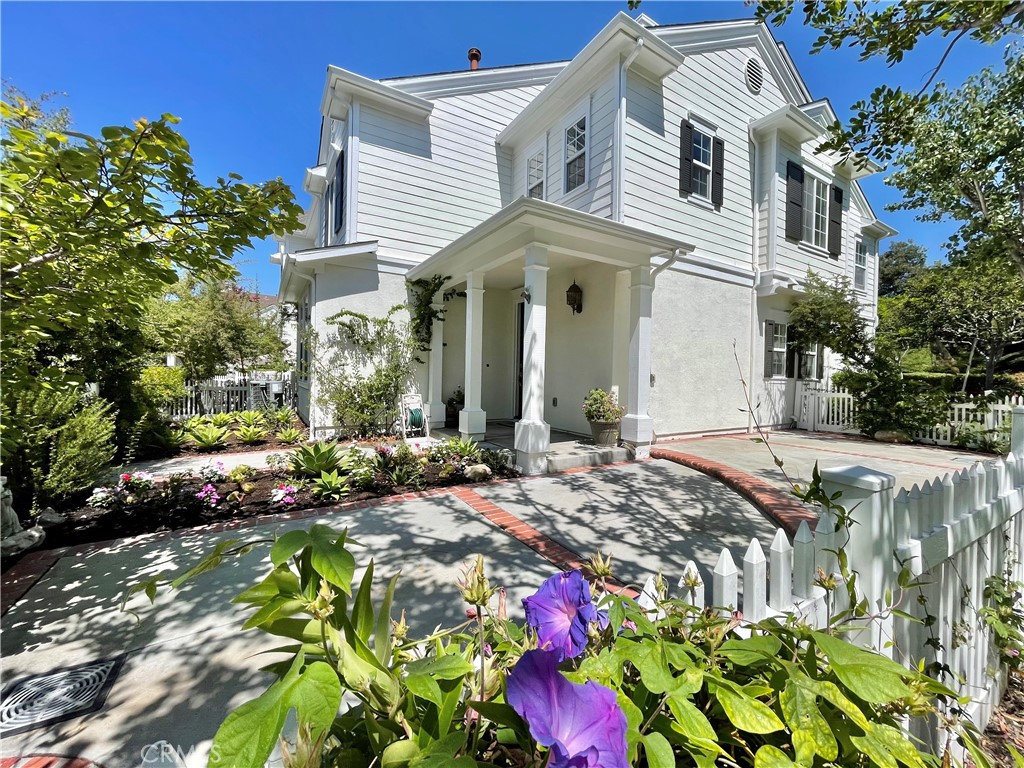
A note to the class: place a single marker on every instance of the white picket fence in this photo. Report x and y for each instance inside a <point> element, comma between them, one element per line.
<point>224,397</point>
<point>953,532</point>
<point>833,409</point>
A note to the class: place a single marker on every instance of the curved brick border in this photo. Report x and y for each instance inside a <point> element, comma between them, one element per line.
<point>773,503</point>
<point>47,761</point>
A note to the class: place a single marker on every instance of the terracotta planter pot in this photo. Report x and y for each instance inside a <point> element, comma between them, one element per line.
<point>605,432</point>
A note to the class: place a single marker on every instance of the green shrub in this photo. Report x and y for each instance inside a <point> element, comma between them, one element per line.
<point>453,448</point>
<point>280,418</point>
<point>221,419</point>
<point>330,485</point>
<point>498,461</point>
<point>161,385</point>
<point>241,473</point>
<point>249,418</point>
<point>251,435</point>
<point>600,405</point>
<point>207,437</point>
<point>289,435</point>
<point>194,421</point>
<point>315,459</point>
<point>80,452</point>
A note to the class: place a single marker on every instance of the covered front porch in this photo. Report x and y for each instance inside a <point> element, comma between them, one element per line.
<point>524,356</point>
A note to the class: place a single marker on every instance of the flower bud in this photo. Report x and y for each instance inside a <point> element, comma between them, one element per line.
<point>600,566</point>
<point>476,590</point>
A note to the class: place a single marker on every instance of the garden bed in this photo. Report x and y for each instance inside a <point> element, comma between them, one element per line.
<point>138,504</point>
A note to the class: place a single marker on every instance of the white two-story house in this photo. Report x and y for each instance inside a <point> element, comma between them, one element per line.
<point>666,174</point>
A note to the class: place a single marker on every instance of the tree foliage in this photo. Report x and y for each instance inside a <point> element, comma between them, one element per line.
<point>94,226</point>
<point>967,162</point>
<point>214,325</point>
<point>903,261</point>
<point>885,121</point>
<point>829,313</point>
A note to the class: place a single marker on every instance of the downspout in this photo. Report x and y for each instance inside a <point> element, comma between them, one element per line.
<point>673,257</point>
<point>287,257</point>
<point>620,135</point>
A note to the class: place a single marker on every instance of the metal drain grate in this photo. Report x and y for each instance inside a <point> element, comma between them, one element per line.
<point>57,696</point>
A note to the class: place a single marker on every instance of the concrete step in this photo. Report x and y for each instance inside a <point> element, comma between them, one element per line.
<point>583,455</point>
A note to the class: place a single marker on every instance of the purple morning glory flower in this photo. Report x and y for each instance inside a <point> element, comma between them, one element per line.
<point>560,612</point>
<point>582,725</point>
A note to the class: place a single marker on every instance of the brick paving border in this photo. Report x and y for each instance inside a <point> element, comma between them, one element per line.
<point>777,505</point>
<point>47,761</point>
<point>23,575</point>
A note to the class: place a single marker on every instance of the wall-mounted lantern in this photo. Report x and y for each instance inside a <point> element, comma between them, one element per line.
<point>574,298</point>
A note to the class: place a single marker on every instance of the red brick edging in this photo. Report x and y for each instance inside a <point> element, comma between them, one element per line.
<point>773,503</point>
<point>47,761</point>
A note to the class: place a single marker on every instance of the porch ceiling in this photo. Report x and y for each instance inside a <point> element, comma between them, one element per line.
<point>570,236</point>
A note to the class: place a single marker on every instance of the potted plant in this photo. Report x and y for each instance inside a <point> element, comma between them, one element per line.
<point>604,414</point>
<point>452,406</point>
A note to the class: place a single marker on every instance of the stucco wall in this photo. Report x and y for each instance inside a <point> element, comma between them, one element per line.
<point>695,322</point>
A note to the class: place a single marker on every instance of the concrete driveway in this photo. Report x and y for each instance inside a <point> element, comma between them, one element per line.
<point>800,450</point>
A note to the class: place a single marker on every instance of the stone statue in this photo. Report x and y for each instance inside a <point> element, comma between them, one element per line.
<point>14,538</point>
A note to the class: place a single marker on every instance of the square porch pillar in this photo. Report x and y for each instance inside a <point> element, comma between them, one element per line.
<point>472,418</point>
<point>637,426</point>
<point>533,434</point>
<point>435,397</point>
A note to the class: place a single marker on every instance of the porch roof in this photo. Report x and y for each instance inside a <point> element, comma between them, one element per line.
<point>504,236</point>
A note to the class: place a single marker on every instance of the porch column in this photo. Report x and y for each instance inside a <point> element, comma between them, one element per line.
<point>435,399</point>
<point>533,434</point>
<point>637,426</point>
<point>472,419</point>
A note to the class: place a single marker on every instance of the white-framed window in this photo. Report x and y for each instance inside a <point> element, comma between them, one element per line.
<point>779,350</point>
<point>303,329</point>
<point>576,154</point>
<point>700,180</point>
<point>535,175</point>
<point>808,358</point>
<point>815,211</point>
<point>325,200</point>
<point>860,266</point>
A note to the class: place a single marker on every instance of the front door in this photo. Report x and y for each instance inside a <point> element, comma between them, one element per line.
<point>520,325</point>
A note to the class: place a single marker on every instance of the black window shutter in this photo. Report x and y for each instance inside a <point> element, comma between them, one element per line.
<point>339,192</point>
<point>792,353</point>
<point>328,199</point>
<point>769,338</point>
<point>718,172</point>
<point>794,201</point>
<point>685,157</point>
<point>835,221</point>
<point>821,362</point>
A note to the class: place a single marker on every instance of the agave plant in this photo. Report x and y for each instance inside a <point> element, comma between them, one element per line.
<point>207,437</point>
<point>249,418</point>
<point>330,485</point>
<point>192,422</point>
<point>289,435</point>
<point>221,419</point>
<point>282,417</point>
<point>406,475</point>
<point>315,459</point>
<point>250,435</point>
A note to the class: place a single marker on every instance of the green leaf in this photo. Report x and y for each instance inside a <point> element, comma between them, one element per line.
<point>399,754</point>
<point>870,676</point>
<point>450,666</point>
<point>426,688</point>
<point>772,757</point>
<point>745,712</point>
<point>811,732</point>
<point>288,545</point>
<point>280,581</point>
<point>382,632</point>
<point>658,750</point>
<point>751,650</point>
<point>500,714</point>
<point>689,719</point>
<point>334,563</point>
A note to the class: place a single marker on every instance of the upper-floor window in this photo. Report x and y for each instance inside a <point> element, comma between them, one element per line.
<point>535,176</point>
<point>860,266</point>
<point>339,192</point>
<point>814,210</point>
<point>701,163</point>
<point>325,215</point>
<point>576,155</point>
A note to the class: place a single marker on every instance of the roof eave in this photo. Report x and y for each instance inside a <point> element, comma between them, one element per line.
<point>788,120</point>
<point>342,87</point>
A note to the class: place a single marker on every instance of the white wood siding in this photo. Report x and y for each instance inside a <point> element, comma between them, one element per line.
<point>422,184</point>
<point>709,86</point>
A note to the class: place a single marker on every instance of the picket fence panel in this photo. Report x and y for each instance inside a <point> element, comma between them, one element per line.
<point>223,397</point>
<point>953,532</point>
<point>832,409</point>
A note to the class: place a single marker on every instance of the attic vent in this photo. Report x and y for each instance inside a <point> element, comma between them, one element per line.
<point>755,75</point>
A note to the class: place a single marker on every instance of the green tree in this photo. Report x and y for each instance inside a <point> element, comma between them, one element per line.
<point>829,313</point>
<point>885,121</point>
<point>904,260</point>
<point>92,227</point>
<point>967,162</point>
<point>214,325</point>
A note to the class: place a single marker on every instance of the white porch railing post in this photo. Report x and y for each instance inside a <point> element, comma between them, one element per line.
<point>1017,431</point>
<point>435,397</point>
<point>533,434</point>
<point>472,418</point>
<point>870,544</point>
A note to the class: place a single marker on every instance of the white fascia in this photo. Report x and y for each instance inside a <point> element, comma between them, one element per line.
<point>657,59</point>
<point>619,147</point>
<point>476,80</point>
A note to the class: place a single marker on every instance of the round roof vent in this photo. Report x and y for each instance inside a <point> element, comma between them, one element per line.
<point>754,75</point>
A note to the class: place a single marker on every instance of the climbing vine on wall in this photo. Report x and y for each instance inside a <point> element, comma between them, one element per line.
<point>422,310</point>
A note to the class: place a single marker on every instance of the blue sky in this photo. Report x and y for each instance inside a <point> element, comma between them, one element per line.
<point>246,78</point>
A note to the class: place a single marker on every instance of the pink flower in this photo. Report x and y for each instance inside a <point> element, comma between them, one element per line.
<point>126,477</point>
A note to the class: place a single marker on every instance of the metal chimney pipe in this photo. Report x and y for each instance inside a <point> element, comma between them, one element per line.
<point>474,58</point>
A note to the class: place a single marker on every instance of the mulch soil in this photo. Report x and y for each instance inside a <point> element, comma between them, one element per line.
<point>1006,726</point>
<point>159,512</point>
